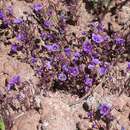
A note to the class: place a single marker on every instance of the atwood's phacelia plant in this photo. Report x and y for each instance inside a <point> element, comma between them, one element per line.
<point>61,57</point>
<point>78,60</point>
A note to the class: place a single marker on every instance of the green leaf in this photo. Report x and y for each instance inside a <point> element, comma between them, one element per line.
<point>2,125</point>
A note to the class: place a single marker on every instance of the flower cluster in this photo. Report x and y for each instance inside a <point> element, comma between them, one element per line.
<point>75,62</point>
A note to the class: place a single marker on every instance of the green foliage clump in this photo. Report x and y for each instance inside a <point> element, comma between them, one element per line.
<point>2,125</point>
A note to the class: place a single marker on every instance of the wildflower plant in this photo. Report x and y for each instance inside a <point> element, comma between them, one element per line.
<point>76,61</point>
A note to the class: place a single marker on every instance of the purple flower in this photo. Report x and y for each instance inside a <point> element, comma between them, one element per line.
<point>62,76</point>
<point>97,38</point>
<point>48,65</point>
<point>87,88</point>
<point>50,36</point>
<point>55,47</point>
<point>122,128</point>
<point>102,70</point>
<point>106,38</point>
<point>43,36</point>
<point>1,14</point>
<point>65,67</point>
<point>67,51</point>
<point>120,41</point>
<point>87,47</point>
<point>14,48</point>
<point>61,30</point>
<point>18,21</point>
<point>13,81</point>
<point>74,71</point>
<point>21,37</point>
<point>10,10</point>
<point>91,66</point>
<point>104,109</point>
<point>33,60</point>
<point>94,125</point>
<point>90,114</point>
<point>88,81</point>
<point>39,71</point>
<point>47,24</point>
<point>76,55</point>
<point>6,22</point>
<point>95,61</point>
<point>48,47</point>
<point>50,12</point>
<point>37,7</point>
<point>83,33</point>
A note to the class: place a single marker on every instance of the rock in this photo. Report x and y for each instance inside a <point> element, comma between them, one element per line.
<point>121,119</point>
<point>84,125</point>
<point>123,100</point>
<point>92,102</point>
<point>29,121</point>
<point>109,19</point>
<point>37,102</point>
<point>57,115</point>
<point>11,67</point>
<point>85,106</point>
<point>20,7</point>
<point>124,15</point>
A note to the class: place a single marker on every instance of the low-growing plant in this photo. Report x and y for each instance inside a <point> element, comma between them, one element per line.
<point>2,124</point>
